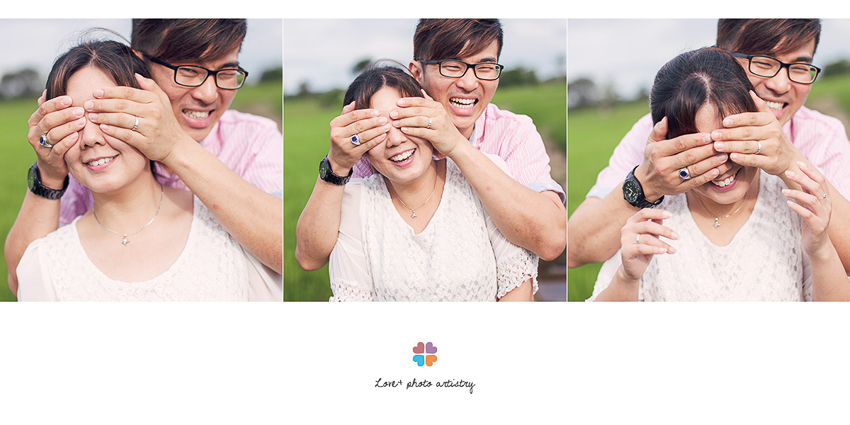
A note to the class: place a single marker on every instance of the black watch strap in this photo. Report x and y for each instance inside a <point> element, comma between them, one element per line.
<point>633,193</point>
<point>326,173</point>
<point>35,186</point>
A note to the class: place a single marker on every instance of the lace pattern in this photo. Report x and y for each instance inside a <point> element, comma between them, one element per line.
<point>513,271</point>
<point>212,267</point>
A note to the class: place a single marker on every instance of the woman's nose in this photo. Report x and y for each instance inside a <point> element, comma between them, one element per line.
<point>90,134</point>
<point>395,136</point>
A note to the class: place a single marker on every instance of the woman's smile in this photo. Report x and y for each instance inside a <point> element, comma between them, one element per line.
<point>403,159</point>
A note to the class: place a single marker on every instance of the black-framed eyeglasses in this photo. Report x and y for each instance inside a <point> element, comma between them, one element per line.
<point>453,68</point>
<point>196,76</point>
<point>766,66</point>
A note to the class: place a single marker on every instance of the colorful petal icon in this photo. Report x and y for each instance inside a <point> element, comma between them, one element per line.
<point>430,348</point>
<point>419,359</point>
<point>419,348</point>
<point>429,359</point>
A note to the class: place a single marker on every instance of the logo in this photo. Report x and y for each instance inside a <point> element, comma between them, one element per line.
<point>425,354</point>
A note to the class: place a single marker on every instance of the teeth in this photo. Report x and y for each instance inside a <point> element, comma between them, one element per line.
<point>197,114</point>
<point>725,182</point>
<point>402,156</point>
<point>773,105</point>
<point>463,103</point>
<point>100,161</point>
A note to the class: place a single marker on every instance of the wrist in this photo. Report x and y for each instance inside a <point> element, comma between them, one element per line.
<point>649,193</point>
<point>623,278</point>
<point>339,169</point>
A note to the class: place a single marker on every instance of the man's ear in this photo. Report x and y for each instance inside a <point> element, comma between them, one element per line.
<point>415,68</point>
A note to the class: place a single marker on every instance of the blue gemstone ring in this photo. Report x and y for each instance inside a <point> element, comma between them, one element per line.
<point>684,174</point>
<point>44,142</point>
<point>355,140</point>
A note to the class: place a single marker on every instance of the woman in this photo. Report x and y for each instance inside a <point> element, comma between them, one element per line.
<point>738,238</point>
<point>415,231</point>
<point>141,241</point>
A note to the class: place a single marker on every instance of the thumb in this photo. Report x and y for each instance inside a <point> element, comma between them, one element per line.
<point>348,108</point>
<point>426,95</point>
<point>762,107</point>
<point>659,131</point>
<point>151,86</point>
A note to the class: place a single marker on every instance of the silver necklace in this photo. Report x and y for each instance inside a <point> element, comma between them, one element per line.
<point>125,241</point>
<point>413,210</point>
<point>716,218</point>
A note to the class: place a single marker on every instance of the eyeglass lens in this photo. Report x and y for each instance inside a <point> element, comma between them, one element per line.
<point>768,67</point>
<point>456,69</point>
<point>195,76</point>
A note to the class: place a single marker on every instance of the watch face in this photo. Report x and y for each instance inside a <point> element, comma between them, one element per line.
<point>323,169</point>
<point>31,178</point>
<point>630,191</point>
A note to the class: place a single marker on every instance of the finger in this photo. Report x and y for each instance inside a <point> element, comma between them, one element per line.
<point>51,106</point>
<point>348,108</point>
<point>649,214</point>
<point>151,86</point>
<point>412,111</point>
<point>748,147</point>
<point>111,105</point>
<point>364,125</point>
<point>708,166</point>
<point>426,95</point>
<point>354,116</point>
<point>115,119</point>
<point>133,138</point>
<point>813,173</point>
<point>63,145</point>
<point>659,131</point>
<point>682,144</point>
<point>419,121</point>
<point>763,117</point>
<point>368,135</point>
<point>804,199</point>
<point>61,123</point>
<point>695,155</point>
<point>806,182</point>
<point>654,228</point>
<point>803,212</point>
<point>43,97</point>
<point>128,93</point>
<point>370,143</point>
<point>406,102</point>
<point>749,160</point>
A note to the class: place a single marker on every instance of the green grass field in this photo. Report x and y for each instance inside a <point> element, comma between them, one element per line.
<point>16,155</point>
<point>305,132</point>
<point>594,133</point>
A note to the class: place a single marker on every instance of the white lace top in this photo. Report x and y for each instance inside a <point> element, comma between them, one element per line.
<point>764,261</point>
<point>212,267</point>
<point>460,256</point>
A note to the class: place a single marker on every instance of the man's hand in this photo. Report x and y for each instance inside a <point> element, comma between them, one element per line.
<point>117,109</point>
<point>756,139</point>
<point>427,119</point>
<point>61,123</point>
<point>659,172</point>
<point>370,129</point>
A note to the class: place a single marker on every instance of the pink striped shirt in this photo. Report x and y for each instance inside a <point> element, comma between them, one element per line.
<point>254,151</point>
<point>512,137</point>
<point>820,138</point>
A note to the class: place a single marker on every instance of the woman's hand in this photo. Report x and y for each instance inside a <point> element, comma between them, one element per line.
<point>663,160</point>
<point>813,205</point>
<point>370,129</point>
<point>117,110</point>
<point>756,139</point>
<point>427,119</point>
<point>61,124</point>
<point>640,240</point>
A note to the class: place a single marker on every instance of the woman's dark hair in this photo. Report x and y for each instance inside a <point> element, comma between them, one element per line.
<point>691,79</point>
<point>113,58</point>
<point>376,76</point>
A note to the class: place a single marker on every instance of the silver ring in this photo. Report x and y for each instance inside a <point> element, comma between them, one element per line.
<point>136,125</point>
<point>355,140</point>
<point>684,174</point>
<point>637,240</point>
<point>759,149</point>
<point>824,196</point>
<point>429,122</point>
<point>44,142</point>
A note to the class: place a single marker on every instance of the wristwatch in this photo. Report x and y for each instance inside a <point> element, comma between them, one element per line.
<point>326,173</point>
<point>633,192</point>
<point>34,183</point>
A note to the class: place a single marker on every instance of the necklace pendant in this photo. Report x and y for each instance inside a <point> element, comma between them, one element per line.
<point>716,222</point>
<point>413,215</point>
<point>125,241</point>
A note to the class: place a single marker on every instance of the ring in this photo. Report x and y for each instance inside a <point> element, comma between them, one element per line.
<point>355,140</point>
<point>824,196</point>
<point>684,174</point>
<point>429,122</point>
<point>136,125</point>
<point>44,142</point>
<point>759,149</point>
<point>637,240</point>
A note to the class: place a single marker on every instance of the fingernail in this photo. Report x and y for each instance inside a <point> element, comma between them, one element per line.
<point>98,93</point>
<point>666,214</point>
<point>802,165</point>
<point>92,116</point>
<point>722,158</point>
<point>719,145</point>
<point>706,139</point>
<point>786,191</point>
<point>88,105</point>
<point>790,173</point>
<point>727,122</point>
<point>671,250</point>
<point>396,123</point>
<point>401,102</point>
<point>104,127</point>
<point>394,114</point>
<point>66,101</point>
<point>674,234</point>
<point>78,112</point>
<point>74,136</point>
<point>714,173</point>
<point>382,120</point>
<point>80,122</point>
<point>386,128</point>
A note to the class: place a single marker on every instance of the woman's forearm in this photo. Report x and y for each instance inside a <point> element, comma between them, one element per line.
<point>621,288</point>
<point>524,292</point>
<point>318,225</point>
<point>253,217</point>
<point>533,220</point>
<point>38,217</point>
<point>829,280</point>
<point>594,228</point>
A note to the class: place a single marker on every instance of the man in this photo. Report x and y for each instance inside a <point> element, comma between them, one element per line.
<point>450,58</point>
<point>773,52</point>
<point>231,161</point>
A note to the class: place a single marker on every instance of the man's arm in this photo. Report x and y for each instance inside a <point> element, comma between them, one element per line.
<point>38,217</point>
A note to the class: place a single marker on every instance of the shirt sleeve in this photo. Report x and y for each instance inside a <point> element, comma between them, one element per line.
<point>526,157</point>
<point>264,284</point>
<point>266,168</point>
<point>349,271</point>
<point>76,201</point>
<point>33,284</point>
<point>627,155</point>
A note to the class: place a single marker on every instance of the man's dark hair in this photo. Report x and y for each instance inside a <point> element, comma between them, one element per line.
<point>766,36</point>
<point>188,40</point>
<point>438,39</point>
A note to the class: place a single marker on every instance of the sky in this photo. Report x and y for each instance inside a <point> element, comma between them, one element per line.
<point>628,52</point>
<point>35,43</point>
<point>323,51</point>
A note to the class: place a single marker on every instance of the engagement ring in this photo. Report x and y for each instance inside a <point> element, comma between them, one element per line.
<point>684,174</point>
